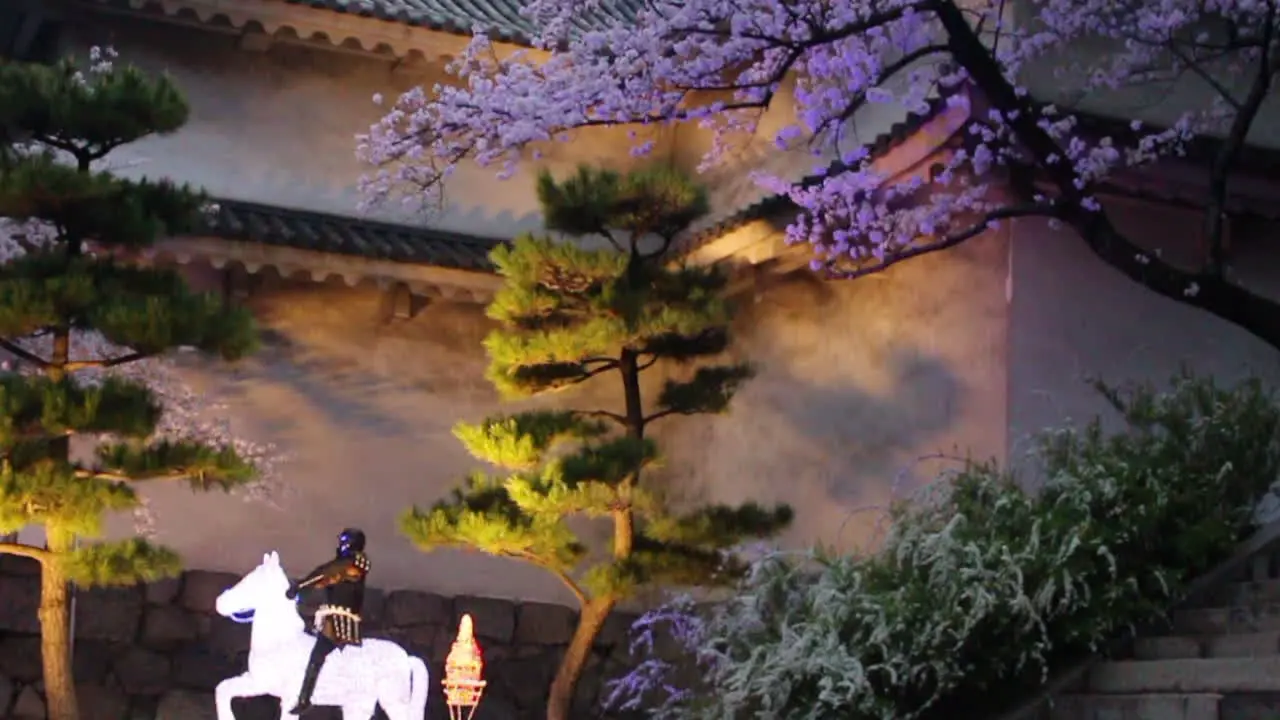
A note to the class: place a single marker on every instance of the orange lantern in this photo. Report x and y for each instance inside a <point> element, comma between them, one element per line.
<point>463,673</point>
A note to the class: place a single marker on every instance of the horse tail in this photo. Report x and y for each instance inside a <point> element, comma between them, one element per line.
<point>419,683</point>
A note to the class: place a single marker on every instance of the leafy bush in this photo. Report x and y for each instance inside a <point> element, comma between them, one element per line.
<point>982,589</point>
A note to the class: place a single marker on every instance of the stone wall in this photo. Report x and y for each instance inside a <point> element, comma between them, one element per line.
<point>155,652</point>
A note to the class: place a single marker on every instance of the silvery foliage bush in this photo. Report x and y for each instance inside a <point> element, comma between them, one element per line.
<point>980,590</point>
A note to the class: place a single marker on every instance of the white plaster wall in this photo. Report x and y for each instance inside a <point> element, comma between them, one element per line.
<point>863,387</point>
<point>1073,317</point>
<point>278,127</point>
<point>1157,103</point>
<point>857,380</point>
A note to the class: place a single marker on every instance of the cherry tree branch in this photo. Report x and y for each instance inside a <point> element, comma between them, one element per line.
<point>982,225</point>
<point>17,351</point>
<point>106,363</point>
<point>1209,292</point>
<point>1233,144</point>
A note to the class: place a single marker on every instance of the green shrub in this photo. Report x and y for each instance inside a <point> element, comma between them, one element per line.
<point>982,589</point>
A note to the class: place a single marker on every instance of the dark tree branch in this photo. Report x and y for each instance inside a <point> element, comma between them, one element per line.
<point>949,241</point>
<point>107,363</point>
<point>663,413</point>
<point>1209,292</point>
<point>1229,152</point>
<point>18,352</point>
<point>615,417</point>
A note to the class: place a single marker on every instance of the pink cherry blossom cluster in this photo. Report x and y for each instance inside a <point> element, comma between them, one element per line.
<point>721,64</point>
<point>187,414</point>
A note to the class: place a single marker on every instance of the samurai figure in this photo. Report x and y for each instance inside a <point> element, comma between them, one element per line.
<point>337,621</point>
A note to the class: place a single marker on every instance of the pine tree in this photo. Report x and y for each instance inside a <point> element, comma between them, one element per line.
<point>567,314</point>
<point>57,122</point>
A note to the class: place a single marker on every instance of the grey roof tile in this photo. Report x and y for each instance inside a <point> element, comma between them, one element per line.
<point>305,230</point>
<point>501,17</point>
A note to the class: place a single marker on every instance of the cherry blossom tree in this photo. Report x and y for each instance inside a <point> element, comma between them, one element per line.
<point>722,64</point>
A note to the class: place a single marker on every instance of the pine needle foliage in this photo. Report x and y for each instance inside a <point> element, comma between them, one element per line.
<point>566,314</point>
<point>57,121</point>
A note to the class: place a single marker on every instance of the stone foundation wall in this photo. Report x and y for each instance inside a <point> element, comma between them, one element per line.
<point>155,652</point>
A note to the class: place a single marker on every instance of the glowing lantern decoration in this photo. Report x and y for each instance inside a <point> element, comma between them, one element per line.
<point>463,671</point>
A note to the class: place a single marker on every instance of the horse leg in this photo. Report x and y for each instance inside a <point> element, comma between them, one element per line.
<point>244,685</point>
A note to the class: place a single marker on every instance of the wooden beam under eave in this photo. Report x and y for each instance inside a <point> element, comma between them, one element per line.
<point>252,40</point>
<point>477,285</point>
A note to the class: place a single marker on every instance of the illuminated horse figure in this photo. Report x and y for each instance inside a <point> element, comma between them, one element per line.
<point>357,678</point>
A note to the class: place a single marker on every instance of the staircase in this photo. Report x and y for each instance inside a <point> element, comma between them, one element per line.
<point>1220,660</point>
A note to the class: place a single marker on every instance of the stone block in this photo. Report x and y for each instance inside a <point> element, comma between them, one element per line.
<point>1262,706</point>
<point>142,672</point>
<point>186,705</point>
<point>1244,645</point>
<point>524,681</point>
<point>20,658</point>
<point>101,702</point>
<point>228,638</point>
<point>494,619</point>
<point>166,626</point>
<point>420,641</point>
<point>196,668</point>
<point>112,614</point>
<point>404,608</point>
<point>616,630</point>
<point>19,600</point>
<point>374,610</point>
<point>162,592</point>
<point>29,704</point>
<point>1136,707</point>
<point>200,589</point>
<point>21,566</point>
<point>256,708</point>
<point>1217,675</point>
<point>539,623</point>
<point>91,660</point>
<point>1166,648</point>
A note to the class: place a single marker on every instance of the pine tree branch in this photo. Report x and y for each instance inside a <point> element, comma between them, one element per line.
<point>663,413</point>
<point>106,363</point>
<point>17,351</point>
<point>26,551</point>
<point>575,588</point>
<point>620,419</point>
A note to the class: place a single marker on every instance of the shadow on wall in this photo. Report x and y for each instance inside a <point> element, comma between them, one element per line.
<point>855,386</point>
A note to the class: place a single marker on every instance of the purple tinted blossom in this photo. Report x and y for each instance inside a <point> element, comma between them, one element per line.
<point>657,67</point>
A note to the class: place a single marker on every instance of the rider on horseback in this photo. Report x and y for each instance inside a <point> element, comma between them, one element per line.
<point>337,622</point>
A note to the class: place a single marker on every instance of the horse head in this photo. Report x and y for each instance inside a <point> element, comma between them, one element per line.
<point>263,588</point>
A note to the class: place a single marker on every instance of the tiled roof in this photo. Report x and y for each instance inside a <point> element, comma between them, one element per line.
<point>897,134</point>
<point>501,17</point>
<point>250,222</point>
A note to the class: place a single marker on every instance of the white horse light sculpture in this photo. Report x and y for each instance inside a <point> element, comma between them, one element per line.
<point>355,678</point>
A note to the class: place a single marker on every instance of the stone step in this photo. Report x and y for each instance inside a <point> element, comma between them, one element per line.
<point>1249,707</point>
<point>1179,647</point>
<point>1257,618</point>
<point>1136,707</point>
<point>1250,593</point>
<point>1200,675</point>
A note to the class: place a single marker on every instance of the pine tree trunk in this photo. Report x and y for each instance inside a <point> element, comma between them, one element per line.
<point>55,635</point>
<point>560,701</point>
